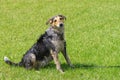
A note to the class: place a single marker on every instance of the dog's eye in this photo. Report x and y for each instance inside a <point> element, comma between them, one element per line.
<point>55,20</point>
<point>61,18</point>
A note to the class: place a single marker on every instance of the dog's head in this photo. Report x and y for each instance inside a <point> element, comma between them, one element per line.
<point>56,21</point>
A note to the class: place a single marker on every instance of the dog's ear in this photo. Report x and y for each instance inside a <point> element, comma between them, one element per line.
<point>62,16</point>
<point>49,21</point>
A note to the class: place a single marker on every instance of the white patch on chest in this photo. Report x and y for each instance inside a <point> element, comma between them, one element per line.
<point>59,45</point>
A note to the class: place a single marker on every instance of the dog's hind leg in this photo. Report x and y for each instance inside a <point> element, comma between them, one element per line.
<point>45,61</point>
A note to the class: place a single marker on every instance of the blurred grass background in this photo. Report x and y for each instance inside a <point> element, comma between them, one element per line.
<point>92,32</point>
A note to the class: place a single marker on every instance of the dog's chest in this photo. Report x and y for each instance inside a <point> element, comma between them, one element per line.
<point>58,41</point>
<point>59,44</point>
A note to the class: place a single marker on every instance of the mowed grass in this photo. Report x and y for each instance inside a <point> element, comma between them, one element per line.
<point>92,31</point>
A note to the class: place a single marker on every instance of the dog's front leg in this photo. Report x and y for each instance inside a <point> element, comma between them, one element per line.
<point>56,60</point>
<point>64,52</point>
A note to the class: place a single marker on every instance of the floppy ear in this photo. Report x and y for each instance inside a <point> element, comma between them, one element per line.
<point>62,17</point>
<point>49,21</point>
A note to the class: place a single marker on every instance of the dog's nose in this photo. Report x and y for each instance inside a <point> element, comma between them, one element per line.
<point>61,25</point>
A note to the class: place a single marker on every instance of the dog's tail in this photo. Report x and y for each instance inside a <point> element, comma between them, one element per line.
<point>7,60</point>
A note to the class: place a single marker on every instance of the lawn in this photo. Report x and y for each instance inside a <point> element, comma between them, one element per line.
<point>92,31</point>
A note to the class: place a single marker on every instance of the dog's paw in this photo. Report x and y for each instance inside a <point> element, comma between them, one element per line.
<point>61,71</point>
<point>6,59</point>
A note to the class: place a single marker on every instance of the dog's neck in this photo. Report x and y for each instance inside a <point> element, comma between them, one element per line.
<point>57,31</point>
<point>53,32</point>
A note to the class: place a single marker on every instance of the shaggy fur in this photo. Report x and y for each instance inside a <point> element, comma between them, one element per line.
<point>56,31</point>
<point>47,47</point>
<point>37,56</point>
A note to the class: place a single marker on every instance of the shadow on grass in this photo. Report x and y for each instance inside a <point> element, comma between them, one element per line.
<point>87,66</point>
<point>78,65</point>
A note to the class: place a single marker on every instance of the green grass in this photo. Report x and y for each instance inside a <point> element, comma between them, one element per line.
<point>92,32</point>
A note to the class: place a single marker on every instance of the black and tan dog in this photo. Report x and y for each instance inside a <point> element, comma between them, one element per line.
<point>47,47</point>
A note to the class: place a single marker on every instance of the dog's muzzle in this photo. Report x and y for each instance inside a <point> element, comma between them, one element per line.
<point>61,24</point>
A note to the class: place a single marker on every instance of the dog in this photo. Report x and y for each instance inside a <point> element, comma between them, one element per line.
<point>37,56</point>
<point>47,47</point>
